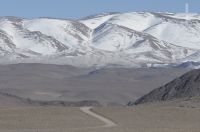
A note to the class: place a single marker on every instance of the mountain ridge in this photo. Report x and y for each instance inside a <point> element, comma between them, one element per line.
<point>124,39</point>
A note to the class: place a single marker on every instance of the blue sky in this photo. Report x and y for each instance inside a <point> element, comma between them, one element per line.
<point>80,8</point>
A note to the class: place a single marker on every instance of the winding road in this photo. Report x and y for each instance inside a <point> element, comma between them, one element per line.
<point>108,122</point>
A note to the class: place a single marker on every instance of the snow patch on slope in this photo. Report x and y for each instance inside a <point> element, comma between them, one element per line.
<point>70,33</point>
<point>181,33</point>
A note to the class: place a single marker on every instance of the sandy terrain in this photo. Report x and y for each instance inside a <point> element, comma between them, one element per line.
<point>136,119</point>
<point>45,119</point>
<point>153,118</point>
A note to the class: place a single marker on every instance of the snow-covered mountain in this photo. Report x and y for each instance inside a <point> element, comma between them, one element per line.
<point>136,39</point>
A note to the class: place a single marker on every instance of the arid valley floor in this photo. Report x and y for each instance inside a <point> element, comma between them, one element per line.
<point>148,118</point>
<point>112,88</point>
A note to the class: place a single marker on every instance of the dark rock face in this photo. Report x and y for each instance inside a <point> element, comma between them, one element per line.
<point>186,86</point>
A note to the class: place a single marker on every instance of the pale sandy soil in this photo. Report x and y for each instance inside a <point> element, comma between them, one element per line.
<point>136,119</point>
<point>153,118</point>
<point>44,119</point>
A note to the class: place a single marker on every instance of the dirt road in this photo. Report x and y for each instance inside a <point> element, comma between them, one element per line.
<point>108,122</point>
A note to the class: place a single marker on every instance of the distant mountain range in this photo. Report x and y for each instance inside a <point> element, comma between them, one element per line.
<point>136,39</point>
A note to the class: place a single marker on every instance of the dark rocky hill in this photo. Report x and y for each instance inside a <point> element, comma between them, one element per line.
<point>185,87</point>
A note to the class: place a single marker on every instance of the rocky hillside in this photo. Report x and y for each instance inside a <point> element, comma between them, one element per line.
<point>184,87</point>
